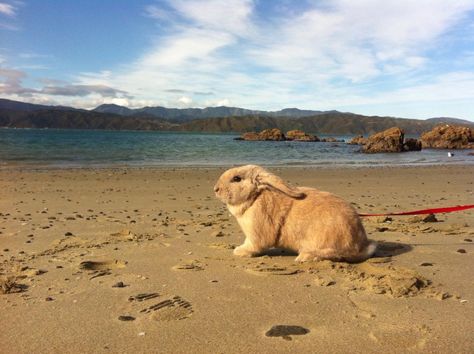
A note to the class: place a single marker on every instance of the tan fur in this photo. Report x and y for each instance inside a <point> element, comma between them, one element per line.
<point>317,225</point>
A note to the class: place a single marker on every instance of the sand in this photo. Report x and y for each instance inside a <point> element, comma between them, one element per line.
<point>140,261</point>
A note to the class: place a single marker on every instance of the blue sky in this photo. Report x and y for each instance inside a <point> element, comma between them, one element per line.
<point>397,58</point>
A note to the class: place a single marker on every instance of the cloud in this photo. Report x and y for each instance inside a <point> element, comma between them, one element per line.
<point>232,16</point>
<point>7,9</point>
<point>12,85</point>
<point>82,90</point>
<point>12,82</point>
<point>184,101</point>
<point>271,55</point>
<point>176,91</point>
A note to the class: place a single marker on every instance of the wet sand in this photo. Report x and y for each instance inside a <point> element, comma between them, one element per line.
<point>140,260</point>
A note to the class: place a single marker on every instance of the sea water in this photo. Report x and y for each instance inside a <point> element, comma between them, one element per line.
<point>100,148</point>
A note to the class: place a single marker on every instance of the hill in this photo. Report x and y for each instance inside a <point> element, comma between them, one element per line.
<point>180,115</point>
<point>30,107</point>
<point>15,114</point>
<point>325,123</point>
<point>61,119</point>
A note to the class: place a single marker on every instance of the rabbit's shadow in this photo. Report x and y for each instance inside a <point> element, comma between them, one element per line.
<point>384,249</point>
<point>390,248</point>
<point>279,252</point>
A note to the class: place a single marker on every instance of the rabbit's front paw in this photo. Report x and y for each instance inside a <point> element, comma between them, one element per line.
<point>244,251</point>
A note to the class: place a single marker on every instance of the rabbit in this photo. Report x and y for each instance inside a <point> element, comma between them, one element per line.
<point>317,225</point>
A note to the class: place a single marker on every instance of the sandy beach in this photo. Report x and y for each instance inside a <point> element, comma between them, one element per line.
<point>140,261</point>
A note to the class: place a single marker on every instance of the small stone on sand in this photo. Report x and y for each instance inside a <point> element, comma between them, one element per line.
<point>126,318</point>
<point>286,331</point>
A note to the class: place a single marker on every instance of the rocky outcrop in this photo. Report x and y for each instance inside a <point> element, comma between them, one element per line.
<point>271,134</point>
<point>448,137</point>
<point>358,140</point>
<point>390,140</point>
<point>276,135</point>
<point>299,135</point>
<point>267,134</point>
<point>250,136</point>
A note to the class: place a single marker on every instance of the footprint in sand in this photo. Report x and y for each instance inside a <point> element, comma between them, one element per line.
<point>263,269</point>
<point>173,308</point>
<point>102,265</point>
<point>101,268</point>
<point>193,265</point>
<point>143,297</point>
<point>222,246</point>
<point>388,280</point>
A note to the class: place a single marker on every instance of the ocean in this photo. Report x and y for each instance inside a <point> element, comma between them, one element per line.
<point>99,148</point>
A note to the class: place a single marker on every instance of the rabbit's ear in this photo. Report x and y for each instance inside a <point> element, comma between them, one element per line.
<point>266,179</point>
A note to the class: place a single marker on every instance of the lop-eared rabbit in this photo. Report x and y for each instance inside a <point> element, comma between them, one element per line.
<point>317,225</point>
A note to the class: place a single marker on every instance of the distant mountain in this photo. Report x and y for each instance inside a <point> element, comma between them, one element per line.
<point>448,120</point>
<point>29,107</point>
<point>187,114</point>
<point>211,119</point>
<point>114,109</point>
<point>175,114</point>
<point>325,123</point>
<point>62,119</point>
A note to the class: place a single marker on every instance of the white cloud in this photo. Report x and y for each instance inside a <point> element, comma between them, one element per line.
<point>185,101</point>
<point>7,9</point>
<point>228,16</point>
<point>320,55</point>
<point>190,44</point>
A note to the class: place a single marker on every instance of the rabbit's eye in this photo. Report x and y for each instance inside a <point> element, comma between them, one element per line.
<point>236,179</point>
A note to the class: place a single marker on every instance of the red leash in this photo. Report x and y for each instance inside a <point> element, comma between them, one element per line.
<point>425,211</point>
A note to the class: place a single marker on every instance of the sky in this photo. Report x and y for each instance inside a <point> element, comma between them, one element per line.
<point>401,58</point>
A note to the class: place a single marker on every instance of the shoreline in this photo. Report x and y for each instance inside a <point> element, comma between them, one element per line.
<point>322,166</point>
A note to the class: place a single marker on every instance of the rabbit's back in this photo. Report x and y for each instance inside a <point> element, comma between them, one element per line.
<point>322,220</point>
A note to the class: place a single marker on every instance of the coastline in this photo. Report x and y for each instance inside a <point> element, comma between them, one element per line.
<point>161,231</point>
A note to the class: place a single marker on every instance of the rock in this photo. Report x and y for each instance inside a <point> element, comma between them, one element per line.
<point>250,136</point>
<point>383,219</point>
<point>448,137</point>
<point>217,234</point>
<point>423,218</point>
<point>412,145</point>
<point>324,281</point>
<point>461,250</point>
<point>267,134</point>
<point>68,234</point>
<point>119,284</point>
<point>286,331</point>
<point>443,296</point>
<point>299,135</point>
<point>126,318</point>
<point>390,140</point>
<point>358,140</point>
<point>271,134</point>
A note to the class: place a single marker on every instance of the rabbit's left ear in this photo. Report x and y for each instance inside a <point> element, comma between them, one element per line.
<point>266,179</point>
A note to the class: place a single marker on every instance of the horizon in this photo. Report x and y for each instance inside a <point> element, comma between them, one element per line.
<point>399,59</point>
